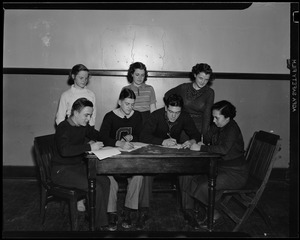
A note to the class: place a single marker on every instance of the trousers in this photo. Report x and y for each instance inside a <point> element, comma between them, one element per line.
<point>76,176</point>
<point>132,195</point>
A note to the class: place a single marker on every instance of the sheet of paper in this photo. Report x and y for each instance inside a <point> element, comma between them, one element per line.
<point>106,152</point>
<point>137,145</point>
<point>177,146</point>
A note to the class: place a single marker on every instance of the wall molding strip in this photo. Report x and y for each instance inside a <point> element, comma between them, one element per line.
<point>153,74</point>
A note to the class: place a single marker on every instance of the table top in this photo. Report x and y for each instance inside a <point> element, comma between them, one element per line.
<point>153,159</point>
<point>158,151</point>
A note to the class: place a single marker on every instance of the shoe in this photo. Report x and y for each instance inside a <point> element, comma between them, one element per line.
<point>102,228</point>
<point>216,222</point>
<point>143,216</point>
<point>127,219</point>
<point>112,222</point>
<point>190,218</point>
<point>80,206</point>
<point>200,215</point>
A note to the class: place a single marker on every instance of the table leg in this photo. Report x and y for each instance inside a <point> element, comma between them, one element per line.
<point>92,192</point>
<point>211,193</point>
<point>92,197</point>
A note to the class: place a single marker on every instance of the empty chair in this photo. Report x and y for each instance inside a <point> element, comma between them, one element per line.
<point>260,157</point>
<point>44,149</point>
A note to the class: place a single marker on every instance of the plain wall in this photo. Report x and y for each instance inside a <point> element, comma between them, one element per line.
<point>255,40</point>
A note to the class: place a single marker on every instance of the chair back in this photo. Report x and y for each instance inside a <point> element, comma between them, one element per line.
<point>260,156</point>
<point>44,149</point>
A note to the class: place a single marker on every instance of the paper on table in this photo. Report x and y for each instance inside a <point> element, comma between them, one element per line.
<point>178,146</point>
<point>106,152</point>
<point>136,145</point>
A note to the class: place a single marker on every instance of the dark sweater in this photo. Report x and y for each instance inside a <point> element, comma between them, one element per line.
<point>197,103</point>
<point>71,142</point>
<point>113,128</point>
<point>227,141</point>
<point>156,127</point>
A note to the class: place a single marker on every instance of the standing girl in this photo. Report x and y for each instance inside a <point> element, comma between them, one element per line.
<point>78,79</point>
<point>145,96</point>
<point>198,97</point>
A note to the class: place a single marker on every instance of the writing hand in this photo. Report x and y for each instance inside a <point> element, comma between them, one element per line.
<point>186,144</point>
<point>169,142</point>
<point>96,145</point>
<point>127,145</point>
<point>128,138</point>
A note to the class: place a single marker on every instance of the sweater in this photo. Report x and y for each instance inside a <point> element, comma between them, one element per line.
<point>68,98</point>
<point>156,129</point>
<point>227,141</point>
<point>114,127</point>
<point>145,96</point>
<point>72,142</point>
<point>197,103</point>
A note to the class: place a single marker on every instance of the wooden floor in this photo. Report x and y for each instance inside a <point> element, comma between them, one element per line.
<point>21,205</point>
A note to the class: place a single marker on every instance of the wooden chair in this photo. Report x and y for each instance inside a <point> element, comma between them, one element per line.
<point>260,157</point>
<point>44,149</point>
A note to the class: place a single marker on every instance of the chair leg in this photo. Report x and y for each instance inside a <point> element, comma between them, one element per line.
<point>74,214</point>
<point>62,206</point>
<point>264,216</point>
<point>245,217</point>
<point>43,204</point>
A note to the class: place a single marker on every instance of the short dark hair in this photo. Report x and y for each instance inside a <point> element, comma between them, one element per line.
<point>75,70</point>
<point>79,104</point>
<point>174,100</point>
<point>132,67</point>
<point>226,109</point>
<point>202,67</point>
<point>127,93</point>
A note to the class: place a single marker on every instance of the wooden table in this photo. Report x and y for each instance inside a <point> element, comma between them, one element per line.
<point>153,159</point>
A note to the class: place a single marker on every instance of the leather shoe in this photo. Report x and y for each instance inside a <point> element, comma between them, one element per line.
<point>190,218</point>
<point>127,219</point>
<point>102,228</point>
<point>143,216</point>
<point>112,221</point>
<point>216,222</point>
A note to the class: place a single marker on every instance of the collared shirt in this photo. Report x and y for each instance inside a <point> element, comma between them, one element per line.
<point>114,126</point>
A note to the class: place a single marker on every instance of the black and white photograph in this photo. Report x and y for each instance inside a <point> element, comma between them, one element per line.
<point>150,119</point>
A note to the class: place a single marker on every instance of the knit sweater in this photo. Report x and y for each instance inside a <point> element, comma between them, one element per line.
<point>68,98</point>
<point>114,127</point>
<point>71,142</point>
<point>145,96</point>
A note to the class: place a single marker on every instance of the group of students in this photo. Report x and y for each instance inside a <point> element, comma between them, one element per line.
<point>190,117</point>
